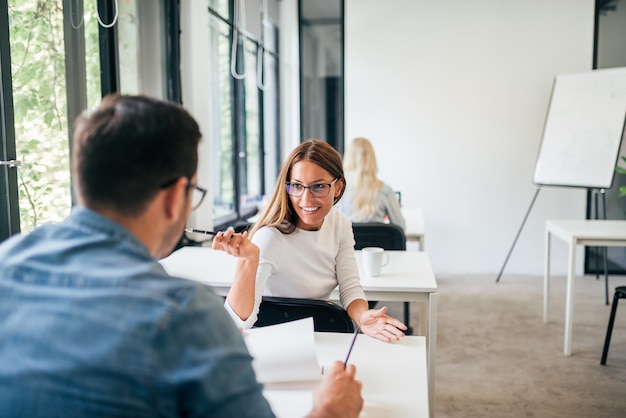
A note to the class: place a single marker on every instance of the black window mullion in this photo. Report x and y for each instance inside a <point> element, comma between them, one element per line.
<point>277,160</point>
<point>262,135</point>
<point>239,129</point>
<point>172,45</point>
<point>9,209</point>
<point>109,58</point>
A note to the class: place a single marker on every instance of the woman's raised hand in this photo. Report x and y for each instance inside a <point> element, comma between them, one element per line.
<point>237,245</point>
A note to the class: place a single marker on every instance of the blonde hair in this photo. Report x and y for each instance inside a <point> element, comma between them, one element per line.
<point>361,171</point>
<point>279,212</point>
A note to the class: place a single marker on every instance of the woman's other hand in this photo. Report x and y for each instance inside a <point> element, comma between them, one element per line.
<point>377,324</point>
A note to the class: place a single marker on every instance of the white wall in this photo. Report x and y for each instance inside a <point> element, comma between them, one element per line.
<point>453,94</point>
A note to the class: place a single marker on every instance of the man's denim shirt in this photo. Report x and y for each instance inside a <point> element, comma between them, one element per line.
<point>92,326</point>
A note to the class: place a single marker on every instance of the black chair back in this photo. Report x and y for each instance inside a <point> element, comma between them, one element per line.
<point>327,316</point>
<point>388,237</point>
<point>373,234</point>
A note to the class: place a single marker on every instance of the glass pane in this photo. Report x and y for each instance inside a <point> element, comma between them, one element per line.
<point>321,67</point>
<point>141,48</point>
<point>41,126</point>
<point>221,135</point>
<point>127,30</point>
<point>251,189</point>
<point>92,56</point>
<point>221,7</point>
<point>40,98</point>
<point>271,123</point>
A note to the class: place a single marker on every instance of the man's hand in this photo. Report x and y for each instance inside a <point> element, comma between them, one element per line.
<point>338,395</point>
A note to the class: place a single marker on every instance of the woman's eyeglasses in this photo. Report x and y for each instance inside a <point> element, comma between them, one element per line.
<point>317,189</point>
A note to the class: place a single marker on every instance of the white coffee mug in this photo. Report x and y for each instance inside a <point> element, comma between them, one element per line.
<point>374,258</point>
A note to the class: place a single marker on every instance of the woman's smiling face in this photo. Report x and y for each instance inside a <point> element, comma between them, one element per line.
<point>312,210</point>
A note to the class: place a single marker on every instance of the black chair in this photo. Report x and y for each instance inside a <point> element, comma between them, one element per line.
<point>327,316</point>
<point>387,236</point>
<point>373,234</point>
<point>620,293</point>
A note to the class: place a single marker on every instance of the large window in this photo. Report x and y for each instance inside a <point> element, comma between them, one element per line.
<point>222,138</point>
<point>59,57</point>
<point>65,54</point>
<point>244,132</point>
<point>610,52</point>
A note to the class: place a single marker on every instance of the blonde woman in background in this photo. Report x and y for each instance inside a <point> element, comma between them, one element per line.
<point>367,198</point>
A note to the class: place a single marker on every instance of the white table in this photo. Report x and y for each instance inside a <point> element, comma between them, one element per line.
<point>394,377</point>
<point>408,277</point>
<point>414,220</point>
<point>597,233</point>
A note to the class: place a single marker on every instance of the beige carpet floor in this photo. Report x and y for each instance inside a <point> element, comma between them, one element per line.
<point>496,357</point>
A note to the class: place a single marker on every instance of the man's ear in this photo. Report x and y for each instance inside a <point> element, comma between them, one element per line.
<point>175,199</point>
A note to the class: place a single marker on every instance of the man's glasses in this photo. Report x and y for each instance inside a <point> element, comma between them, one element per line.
<point>197,196</point>
<point>317,189</point>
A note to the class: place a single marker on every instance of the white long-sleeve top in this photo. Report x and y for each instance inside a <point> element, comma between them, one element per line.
<point>306,264</point>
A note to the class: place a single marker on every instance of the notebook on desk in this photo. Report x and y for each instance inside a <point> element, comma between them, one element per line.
<point>284,352</point>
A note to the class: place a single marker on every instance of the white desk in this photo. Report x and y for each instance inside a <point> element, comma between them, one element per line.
<point>393,376</point>
<point>600,233</point>
<point>414,225</point>
<point>408,277</point>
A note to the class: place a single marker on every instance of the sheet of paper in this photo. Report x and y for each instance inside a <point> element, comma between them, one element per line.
<point>290,403</point>
<point>284,352</point>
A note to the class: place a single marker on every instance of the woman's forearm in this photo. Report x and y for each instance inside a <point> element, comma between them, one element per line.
<point>241,294</point>
<point>355,309</point>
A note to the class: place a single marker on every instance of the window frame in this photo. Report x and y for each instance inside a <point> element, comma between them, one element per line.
<point>239,153</point>
<point>9,212</point>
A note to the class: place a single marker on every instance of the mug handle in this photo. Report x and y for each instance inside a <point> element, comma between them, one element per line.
<point>385,259</point>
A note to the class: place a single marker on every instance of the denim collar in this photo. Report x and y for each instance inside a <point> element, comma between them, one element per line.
<point>95,222</point>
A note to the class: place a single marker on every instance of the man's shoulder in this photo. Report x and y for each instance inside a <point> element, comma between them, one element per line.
<point>19,247</point>
<point>179,289</point>
<point>7,247</point>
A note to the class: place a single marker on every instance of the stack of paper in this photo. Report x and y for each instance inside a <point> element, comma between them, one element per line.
<point>284,352</point>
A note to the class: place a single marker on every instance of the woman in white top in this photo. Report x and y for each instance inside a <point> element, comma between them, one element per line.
<point>305,247</point>
<point>367,198</point>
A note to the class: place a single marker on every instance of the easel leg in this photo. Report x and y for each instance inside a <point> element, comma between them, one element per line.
<point>601,250</point>
<point>597,249</point>
<point>518,233</point>
<point>546,276</point>
<point>605,253</point>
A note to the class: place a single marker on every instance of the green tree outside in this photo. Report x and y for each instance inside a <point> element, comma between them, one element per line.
<point>40,102</point>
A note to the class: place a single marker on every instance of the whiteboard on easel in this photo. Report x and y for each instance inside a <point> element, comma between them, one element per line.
<point>583,130</point>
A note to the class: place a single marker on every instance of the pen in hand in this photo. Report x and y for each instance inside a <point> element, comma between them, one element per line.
<point>200,231</point>
<point>356,332</point>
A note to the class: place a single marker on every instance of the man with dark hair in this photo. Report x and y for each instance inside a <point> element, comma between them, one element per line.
<point>90,323</point>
